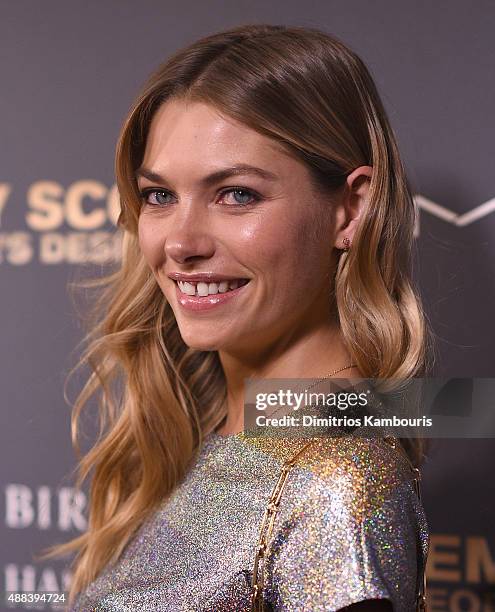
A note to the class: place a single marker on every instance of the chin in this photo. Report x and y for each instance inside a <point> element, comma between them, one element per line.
<point>202,341</point>
<point>201,346</point>
<point>199,342</point>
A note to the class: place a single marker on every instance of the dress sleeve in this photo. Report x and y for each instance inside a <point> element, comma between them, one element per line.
<point>347,539</point>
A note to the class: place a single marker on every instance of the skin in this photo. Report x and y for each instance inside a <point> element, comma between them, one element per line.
<point>286,243</point>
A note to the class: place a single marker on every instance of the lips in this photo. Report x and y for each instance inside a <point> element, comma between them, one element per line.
<point>202,289</point>
<point>204,277</point>
<point>207,302</point>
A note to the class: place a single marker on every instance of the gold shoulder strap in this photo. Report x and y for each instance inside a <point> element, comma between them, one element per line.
<point>257,580</point>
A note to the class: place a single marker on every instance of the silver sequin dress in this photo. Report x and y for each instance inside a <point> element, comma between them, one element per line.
<point>350,527</point>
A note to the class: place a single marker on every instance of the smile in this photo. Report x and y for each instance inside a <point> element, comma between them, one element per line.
<point>205,296</point>
<point>203,289</point>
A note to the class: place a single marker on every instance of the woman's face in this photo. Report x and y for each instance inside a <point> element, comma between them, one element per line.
<point>269,226</point>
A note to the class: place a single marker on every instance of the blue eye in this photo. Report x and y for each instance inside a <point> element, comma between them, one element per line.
<point>159,195</point>
<point>242,196</point>
<point>251,196</point>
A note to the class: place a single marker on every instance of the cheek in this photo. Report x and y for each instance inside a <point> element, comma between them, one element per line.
<point>267,246</point>
<point>287,246</point>
<point>150,242</point>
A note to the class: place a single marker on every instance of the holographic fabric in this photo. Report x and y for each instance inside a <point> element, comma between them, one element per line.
<point>350,527</point>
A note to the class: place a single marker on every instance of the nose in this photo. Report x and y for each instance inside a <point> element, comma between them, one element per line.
<point>189,236</point>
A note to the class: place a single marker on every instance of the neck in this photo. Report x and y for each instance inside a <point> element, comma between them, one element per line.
<point>315,355</point>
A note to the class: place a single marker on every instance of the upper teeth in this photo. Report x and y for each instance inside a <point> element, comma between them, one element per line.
<point>202,288</point>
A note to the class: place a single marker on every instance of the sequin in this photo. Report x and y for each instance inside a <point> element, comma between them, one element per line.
<point>350,527</point>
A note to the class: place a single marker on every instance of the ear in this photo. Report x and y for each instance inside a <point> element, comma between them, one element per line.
<point>353,203</point>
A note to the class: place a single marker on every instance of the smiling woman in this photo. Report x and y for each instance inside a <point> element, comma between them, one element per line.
<point>195,225</point>
<point>267,233</point>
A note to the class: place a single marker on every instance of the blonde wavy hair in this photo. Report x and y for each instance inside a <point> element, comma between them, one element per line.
<point>158,398</point>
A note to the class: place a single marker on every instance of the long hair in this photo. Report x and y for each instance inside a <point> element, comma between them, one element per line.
<point>309,92</point>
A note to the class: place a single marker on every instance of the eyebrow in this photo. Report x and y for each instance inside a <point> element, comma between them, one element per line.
<point>214,177</point>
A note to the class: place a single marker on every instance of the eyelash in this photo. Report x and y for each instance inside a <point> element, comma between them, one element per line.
<point>254,196</point>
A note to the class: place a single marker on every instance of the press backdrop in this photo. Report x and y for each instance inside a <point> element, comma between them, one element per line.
<point>68,73</point>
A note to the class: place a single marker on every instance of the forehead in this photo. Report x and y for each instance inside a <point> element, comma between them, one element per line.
<point>193,132</point>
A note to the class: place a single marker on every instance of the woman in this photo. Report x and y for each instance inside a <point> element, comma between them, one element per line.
<point>267,234</point>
